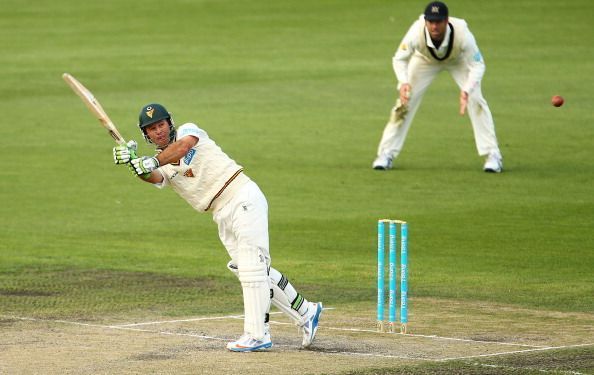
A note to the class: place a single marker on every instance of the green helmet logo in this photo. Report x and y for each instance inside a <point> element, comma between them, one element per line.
<point>154,112</point>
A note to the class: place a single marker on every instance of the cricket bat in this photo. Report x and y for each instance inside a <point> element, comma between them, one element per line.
<point>94,106</point>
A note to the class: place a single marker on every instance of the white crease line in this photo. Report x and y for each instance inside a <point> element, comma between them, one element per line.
<point>197,319</point>
<point>518,352</point>
<point>179,321</point>
<point>322,327</point>
<point>470,340</point>
<point>312,351</point>
<point>536,347</point>
<point>115,327</point>
<point>355,354</point>
<point>448,359</point>
<point>524,368</point>
<point>170,333</point>
<point>186,320</point>
<point>209,338</point>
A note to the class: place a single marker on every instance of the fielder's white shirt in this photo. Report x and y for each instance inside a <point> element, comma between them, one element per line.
<point>205,177</point>
<point>464,51</point>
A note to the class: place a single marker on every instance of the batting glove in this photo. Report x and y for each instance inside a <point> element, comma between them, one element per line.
<point>124,153</point>
<point>144,165</point>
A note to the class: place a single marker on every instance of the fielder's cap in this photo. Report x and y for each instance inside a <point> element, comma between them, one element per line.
<point>436,11</point>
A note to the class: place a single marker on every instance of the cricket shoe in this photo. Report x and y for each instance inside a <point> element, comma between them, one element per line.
<point>310,327</point>
<point>493,163</point>
<point>382,163</point>
<point>247,343</point>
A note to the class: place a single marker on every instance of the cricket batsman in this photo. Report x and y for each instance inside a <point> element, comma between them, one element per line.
<point>434,43</point>
<point>196,168</point>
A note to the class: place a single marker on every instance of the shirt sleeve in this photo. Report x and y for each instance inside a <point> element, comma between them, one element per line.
<point>188,129</point>
<point>474,60</point>
<point>404,52</point>
<point>183,131</point>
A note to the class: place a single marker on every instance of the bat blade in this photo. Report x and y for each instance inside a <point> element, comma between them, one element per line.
<point>94,106</point>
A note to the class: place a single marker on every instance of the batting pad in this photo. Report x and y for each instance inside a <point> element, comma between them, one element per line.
<point>252,272</point>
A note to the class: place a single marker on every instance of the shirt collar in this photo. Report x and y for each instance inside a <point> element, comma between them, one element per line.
<point>446,39</point>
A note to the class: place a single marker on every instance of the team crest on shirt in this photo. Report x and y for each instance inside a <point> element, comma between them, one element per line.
<point>189,173</point>
<point>189,156</point>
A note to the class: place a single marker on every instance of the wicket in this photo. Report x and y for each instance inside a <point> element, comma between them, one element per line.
<point>381,239</point>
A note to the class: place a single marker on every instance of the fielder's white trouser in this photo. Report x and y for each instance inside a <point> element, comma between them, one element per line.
<point>243,229</point>
<point>421,73</point>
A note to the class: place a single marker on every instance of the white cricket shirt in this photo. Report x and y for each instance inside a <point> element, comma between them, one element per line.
<point>464,51</point>
<point>205,177</point>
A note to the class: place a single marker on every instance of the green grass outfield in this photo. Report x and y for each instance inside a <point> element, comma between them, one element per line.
<point>297,92</point>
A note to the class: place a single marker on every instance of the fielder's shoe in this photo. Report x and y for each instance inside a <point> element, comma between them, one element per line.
<point>310,327</point>
<point>382,163</point>
<point>494,163</point>
<point>246,343</point>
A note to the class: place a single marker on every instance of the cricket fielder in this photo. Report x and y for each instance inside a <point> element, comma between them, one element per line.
<point>196,168</point>
<point>436,42</point>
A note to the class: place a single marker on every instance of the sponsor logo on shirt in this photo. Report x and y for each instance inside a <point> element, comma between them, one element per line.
<point>189,156</point>
<point>187,130</point>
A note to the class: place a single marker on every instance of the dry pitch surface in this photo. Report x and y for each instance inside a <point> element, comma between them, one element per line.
<point>440,331</point>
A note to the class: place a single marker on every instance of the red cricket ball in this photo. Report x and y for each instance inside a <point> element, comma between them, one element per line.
<point>557,101</point>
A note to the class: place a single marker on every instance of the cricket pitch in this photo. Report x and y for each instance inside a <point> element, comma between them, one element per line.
<point>440,332</point>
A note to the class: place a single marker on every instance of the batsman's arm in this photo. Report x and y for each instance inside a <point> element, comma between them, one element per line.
<point>154,177</point>
<point>177,150</point>
<point>173,153</point>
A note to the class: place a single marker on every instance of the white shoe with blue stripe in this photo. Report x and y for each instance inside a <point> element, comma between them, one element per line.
<point>246,343</point>
<point>310,327</point>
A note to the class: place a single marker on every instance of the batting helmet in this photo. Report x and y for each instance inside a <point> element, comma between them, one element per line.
<point>151,113</point>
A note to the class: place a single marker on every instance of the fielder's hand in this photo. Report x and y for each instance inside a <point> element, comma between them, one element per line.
<point>404,93</point>
<point>123,154</point>
<point>144,165</point>
<point>463,102</point>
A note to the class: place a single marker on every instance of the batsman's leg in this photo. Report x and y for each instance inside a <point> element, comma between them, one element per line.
<point>304,314</point>
<point>243,229</point>
<point>252,273</point>
<point>256,290</point>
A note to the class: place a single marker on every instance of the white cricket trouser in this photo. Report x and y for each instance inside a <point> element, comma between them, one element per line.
<point>243,229</point>
<point>421,73</point>
<point>243,222</point>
